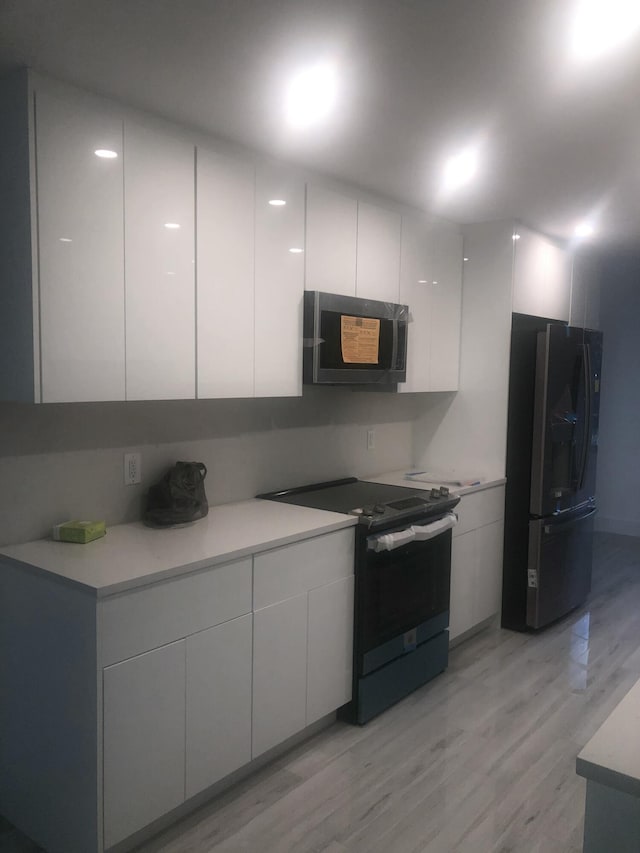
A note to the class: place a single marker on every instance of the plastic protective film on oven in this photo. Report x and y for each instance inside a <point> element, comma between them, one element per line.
<point>417,532</point>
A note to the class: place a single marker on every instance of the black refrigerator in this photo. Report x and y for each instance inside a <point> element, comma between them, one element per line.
<point>552,445</point>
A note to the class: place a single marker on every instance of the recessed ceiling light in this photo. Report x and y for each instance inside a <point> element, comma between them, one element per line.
<point>172,225</point>
<point>277,202</point>
<point>465,259</point>
<point>434,282</point>
<point>460,169</point>
<point>105,153</point>
<point>295,250</point>
<point>66,240</point>
<point>602,25</point>
<point>516,237</point>
<point>311,95</point>
<point>584,229</point>
<point>422,281</point>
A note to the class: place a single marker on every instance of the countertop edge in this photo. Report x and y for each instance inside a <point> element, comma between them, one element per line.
<point>105,590</point>
<point>399,478</point>
<point>220,559</point>
<point>594,772</point>
<point>609,757</point>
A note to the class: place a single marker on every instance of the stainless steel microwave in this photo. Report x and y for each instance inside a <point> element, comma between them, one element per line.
<point>353,341</point>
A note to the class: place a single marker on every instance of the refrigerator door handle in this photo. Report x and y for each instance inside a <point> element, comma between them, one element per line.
<point>586,371</point>
<point>549,528</point>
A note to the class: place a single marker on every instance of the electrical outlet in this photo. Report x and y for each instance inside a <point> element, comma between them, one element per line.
<point>371,439</point>
<point>132,468</point>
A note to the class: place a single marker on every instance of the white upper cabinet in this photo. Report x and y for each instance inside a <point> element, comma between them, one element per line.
<point>279,284</point>
<point>446,308</point>
<point>80,228</point>
<point>415,291</point>
<point>332,224</point>
<point>378,253</point>
<point>159,265</point>
<point>541,277</point>
<point>431,285</point>
<point>225,275</point>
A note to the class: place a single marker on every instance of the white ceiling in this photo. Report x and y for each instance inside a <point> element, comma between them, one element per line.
<point>420,79</point>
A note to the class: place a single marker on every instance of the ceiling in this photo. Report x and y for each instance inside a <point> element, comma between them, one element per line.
<point>559,140</point>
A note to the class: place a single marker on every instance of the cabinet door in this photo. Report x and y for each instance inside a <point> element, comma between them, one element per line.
<point>330,648</point>
<point>415,291</point>
<point>446,305</point>
<point>463,574</point>
<point>159,265</point>
<point>218,702</point>
<point>488,595</point>
<point>225,269</point>
<point>80,244</point>
<point>279,285</point>
<point>378,253</point>
<point>279,672</point>
<point>144,739</point>
<point>330,252</point>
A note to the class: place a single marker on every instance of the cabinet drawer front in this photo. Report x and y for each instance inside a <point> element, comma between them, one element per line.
<point>295,569</point>
<point>144,619</point>
<point>479,508</point>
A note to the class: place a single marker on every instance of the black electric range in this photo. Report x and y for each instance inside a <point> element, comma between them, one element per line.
<point>377,505</point>
<point>402,584</point>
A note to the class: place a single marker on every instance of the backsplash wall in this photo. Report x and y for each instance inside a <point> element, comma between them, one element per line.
<point>66,461</point>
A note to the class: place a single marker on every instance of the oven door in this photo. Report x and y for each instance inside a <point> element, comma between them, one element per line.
<point>401,593</point>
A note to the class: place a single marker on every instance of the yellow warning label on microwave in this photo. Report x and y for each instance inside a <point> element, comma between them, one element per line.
<point>360,339</point>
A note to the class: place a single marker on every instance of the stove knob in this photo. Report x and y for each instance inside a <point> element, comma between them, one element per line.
<point>444,491</point>
<point>367,510</point>
<point>379,509</point>
<point>435,493</point>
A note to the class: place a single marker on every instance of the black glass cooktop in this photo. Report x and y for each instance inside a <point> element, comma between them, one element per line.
<point>375,503</point>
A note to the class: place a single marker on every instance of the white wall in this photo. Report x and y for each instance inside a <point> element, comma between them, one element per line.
<point>65,461</point>
<point>464,434</point>
<point>618,486</point>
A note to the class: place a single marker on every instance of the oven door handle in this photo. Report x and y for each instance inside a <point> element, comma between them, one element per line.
<point>417,532</point>
<point>390,541</point>
<point>435,528</point>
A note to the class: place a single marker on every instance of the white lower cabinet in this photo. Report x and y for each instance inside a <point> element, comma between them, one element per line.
<point>144,739</point>
<point>463,581</point>
<point>476,561</point>
<point>218,703</point>
<point>489,570</point>
<point>155,692</point>
<point>279,672</point>
<point>180,717</point>
<point>302,644</point>
<point>302,659</point>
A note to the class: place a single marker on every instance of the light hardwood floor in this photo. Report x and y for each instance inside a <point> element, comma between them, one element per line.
<point>481,760</point>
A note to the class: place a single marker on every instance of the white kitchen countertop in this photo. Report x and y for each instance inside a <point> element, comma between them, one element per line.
<point>132,555</point>
<point>398,478</point>
<point>612,756</point>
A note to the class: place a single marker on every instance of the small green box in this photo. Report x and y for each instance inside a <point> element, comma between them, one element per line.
<point>79,531</point>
